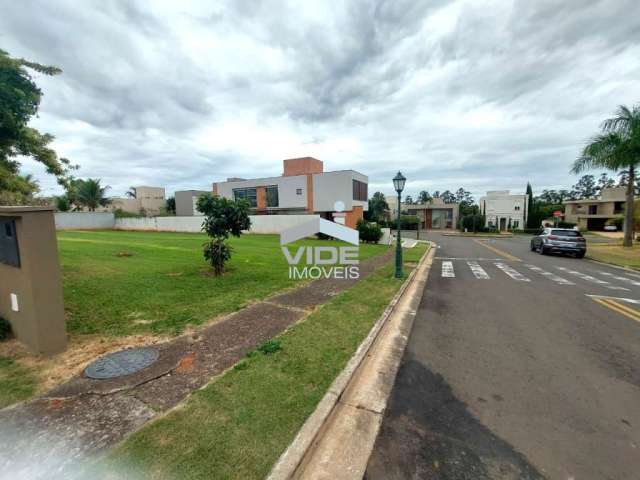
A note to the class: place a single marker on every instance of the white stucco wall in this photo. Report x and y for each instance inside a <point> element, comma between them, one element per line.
<point>84,220</point>
<point>259,223</point>
<point>501,204</point>
<point>145,223</point>
<point>330,187</point>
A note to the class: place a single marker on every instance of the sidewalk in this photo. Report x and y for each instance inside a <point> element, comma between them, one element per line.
<point>83,417</point>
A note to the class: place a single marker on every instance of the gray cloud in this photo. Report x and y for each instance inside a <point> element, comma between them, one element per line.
<point>454,93</point>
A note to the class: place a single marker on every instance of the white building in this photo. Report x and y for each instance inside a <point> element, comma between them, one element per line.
<point>303,188</point>
<point>504,210</point>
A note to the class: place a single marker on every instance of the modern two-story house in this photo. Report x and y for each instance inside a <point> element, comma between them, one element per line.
<point>303,188</point>
<point>591,214</point>
<point>504,210</point>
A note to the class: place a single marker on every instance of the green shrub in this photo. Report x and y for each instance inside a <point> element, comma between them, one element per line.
<point>473,223</point>
<point>270,346</point>
<point>223,217</point>
<point>119,213</point>
<point>408,222</point>
<point>5,329</point>
<point>369,232</point>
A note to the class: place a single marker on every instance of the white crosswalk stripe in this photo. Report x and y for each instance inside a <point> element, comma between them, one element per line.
<point>447,270</point>
<point>550,275</point>
<point>478,271</point>
<point>511,272</point>
<point>622,279</point>
<point>592,279</point>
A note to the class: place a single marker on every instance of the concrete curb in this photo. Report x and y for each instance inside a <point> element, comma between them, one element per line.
<point>306,447</point>
<point>619,267</point>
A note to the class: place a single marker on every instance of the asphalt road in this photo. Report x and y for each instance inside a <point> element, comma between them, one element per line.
<point>513,371</point>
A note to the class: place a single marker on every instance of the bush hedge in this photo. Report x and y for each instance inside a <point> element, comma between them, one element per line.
<point>369,232</point>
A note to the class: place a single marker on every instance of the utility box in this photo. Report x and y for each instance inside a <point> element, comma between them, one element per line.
<point>30,281</point>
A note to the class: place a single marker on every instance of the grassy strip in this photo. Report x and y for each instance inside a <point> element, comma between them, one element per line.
<point>615,255</point>
<point>238,425</point>
<point>16,382</point>
<point>123,283</point>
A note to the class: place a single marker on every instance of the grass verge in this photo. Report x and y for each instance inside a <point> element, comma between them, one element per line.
<point>239,424</point>
<point>615,254</point>
<point>16,382</point>
<point>120,283</point>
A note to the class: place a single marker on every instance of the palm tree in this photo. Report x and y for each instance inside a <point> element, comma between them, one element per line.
<point>91,194</point>
<point>617,148</point>
<point>131,193</point>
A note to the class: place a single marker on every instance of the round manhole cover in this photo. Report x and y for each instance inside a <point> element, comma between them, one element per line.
<point>124,362</point>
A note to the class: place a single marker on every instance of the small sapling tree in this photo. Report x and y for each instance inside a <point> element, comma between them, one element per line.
<point>223,217</point>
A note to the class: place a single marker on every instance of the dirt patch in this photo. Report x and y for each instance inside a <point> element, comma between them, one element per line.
<point>52,371</point>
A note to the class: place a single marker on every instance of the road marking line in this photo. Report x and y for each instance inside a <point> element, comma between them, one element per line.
<point>550,275</point>
<point>447,270</point>
<point>592,279</point>
<point>628,300</point>
<point>623,279</point>
<point>619,308</point>
<point>502,253</point>
<point>470,258</point>
<point>512,273</point>
<point>478,271</point>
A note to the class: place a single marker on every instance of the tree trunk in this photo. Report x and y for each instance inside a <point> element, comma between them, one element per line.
<point>628,211</point>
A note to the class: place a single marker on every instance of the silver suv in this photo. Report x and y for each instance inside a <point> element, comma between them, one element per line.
<point>559,240</point>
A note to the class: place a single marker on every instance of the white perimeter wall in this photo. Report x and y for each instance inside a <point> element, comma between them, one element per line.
<point>259,223</point>
<point>84,220</point>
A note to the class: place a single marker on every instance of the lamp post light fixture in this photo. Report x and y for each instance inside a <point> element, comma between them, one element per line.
<point>398,184</point>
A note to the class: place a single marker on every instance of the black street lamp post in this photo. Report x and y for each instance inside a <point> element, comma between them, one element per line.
<point>398,184</point>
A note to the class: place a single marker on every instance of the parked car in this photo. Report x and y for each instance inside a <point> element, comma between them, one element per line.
<point>559,240</point>
<point>610,228</point>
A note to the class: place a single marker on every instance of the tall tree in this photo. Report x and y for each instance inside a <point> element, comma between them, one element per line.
<point>377,207</point>
<point>604,181</point>
<point>424,197</point>
<point>408,200</point>
<point>623,181</point>
<point>90,194</point>
<point>530,216</point>
<point>170,205</point>
<point>585,188</point>
<point>617,148</point>
<point>19,102</point>
<point>465,201</point>
<point>131,193</point>
<point>448,197</point>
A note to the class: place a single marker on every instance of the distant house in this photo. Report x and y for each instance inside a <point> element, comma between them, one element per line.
<point>303,188</point>
<point>433,215</point>
<point>592,214</point>
<point>504,210</point>
<point>149,200</point>
<point>186,201</point>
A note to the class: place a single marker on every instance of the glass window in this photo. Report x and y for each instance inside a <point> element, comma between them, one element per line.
<point>593,209</point>
<point>272,196</point>
<point>248,194</point>
<point>566,233</point>
<point>360,191</point>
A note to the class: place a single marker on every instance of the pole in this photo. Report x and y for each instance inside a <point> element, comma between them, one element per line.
<point>398,245</point>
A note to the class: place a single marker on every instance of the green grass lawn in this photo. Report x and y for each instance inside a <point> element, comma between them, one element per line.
<point>16,382</point>
<point>615,254</point>
<point>122,283</point>
<point>239,424</point>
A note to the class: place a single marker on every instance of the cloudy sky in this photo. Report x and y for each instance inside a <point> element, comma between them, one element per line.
<point>479,94</point>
